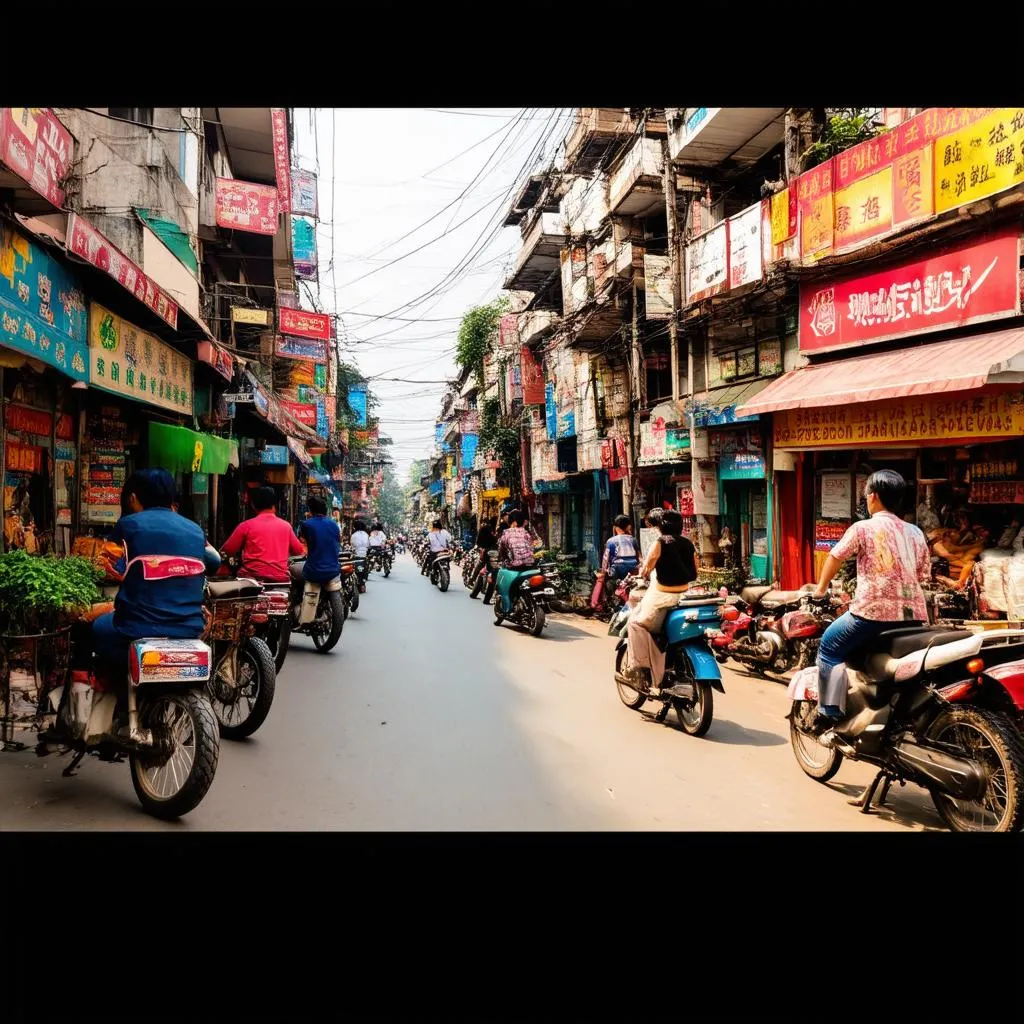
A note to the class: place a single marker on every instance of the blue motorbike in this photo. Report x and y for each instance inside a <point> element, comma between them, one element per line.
<point>691,670</point>
<point>521,596</point>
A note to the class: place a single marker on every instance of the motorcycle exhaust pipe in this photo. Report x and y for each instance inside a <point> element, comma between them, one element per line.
<point>959,777</point>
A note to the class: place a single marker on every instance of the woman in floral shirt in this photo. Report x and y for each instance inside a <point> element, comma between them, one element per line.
<point>892,563</point>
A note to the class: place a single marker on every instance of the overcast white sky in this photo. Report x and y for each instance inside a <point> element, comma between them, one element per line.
<point>383,173</point>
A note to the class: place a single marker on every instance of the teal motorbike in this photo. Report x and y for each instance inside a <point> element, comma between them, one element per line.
<point>521,596</point>
<point>691,671</point>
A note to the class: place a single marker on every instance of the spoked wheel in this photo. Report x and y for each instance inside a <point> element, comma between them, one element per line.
<point>242,709</point>
<point>281,645</point>
<point>387,569</point>
<point>990,739</point>
<point>695,714</point>
<point>630,697</point>
<point>327,630</point>
<point>175,777</point>
<point>498,617</point>
<point>816,760</point>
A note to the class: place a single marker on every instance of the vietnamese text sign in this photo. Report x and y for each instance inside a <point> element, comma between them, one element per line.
<point>745,247</point>
<point>304,248</point>
<point>300,323</point>
<point>247,206</point>
<point>304,198</point>
<point>953,288</point>
<point>835,495</point>
<point>742,465</point>
<point>707,263</point>
<point>657,286</point>
<point>300,348</point>
<point>282,157</point>
<point>127,361</point>
<point>38,148</point>
<point>901,421</point>
<point>42,306</point>
<point>85,241</point>
<point>980,160</point>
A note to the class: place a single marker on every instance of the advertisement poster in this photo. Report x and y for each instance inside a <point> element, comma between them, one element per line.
<point>300,323</point>
<point>357,403</point>
<point>953,288</point>
<point>707,263</point>
<point>745,247</point>
<point>980,160</point>
<point>835,495</point>
<point>38,148</point>
<point>783,215</point>
<point>532,377</point>
<point>304,193</point>
<point>304,248</point>
<point>302,413</point>
<point>300,348</point>
<point>246,206</point>
<point>705,490</point>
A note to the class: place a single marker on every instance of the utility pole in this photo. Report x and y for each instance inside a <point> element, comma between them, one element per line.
<point>674,269</point>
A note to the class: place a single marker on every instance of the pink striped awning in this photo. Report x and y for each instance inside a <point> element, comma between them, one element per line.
<point>961,364</point>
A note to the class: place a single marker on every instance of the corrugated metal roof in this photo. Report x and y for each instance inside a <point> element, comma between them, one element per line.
<point>961,364</point>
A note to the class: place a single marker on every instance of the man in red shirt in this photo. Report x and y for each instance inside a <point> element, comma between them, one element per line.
<point>265,541</point>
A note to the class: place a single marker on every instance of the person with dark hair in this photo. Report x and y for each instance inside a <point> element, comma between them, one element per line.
<point>486,540</point>
<point>439,540</point>
<point>322,537</point>
<point>360,539</point>
<point>892,563</point>
<point>265,541</point>
<point>621,553</point>
<point>673,560</point>
<point>168,607</point>
<point>515,548</point>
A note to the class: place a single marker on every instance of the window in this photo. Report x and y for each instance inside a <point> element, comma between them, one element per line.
<point>658,371</point>
<point>142,115</point>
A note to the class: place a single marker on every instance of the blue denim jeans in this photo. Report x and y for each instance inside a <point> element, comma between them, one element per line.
<point>848,633</point>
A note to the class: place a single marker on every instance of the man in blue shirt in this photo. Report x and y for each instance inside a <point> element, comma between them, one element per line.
<point>621,552</point>
<point>322,537</point>
<point>156,599</point>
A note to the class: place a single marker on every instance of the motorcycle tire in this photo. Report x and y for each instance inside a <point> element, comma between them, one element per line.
<point>261,663</point>
<point>633,699</point>
<point>322,643</point>
<point>498,617</point>
<point>695,718</point>
<point>444,581</point>
<point>387,569</point>
<point>970,728</point>
<point>354,602</point>
<point>815,759</point>
<point>205,754</point>
<point>280,647</point>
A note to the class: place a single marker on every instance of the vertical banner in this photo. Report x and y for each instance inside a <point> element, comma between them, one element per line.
<point>282,156</point>
<point>304,248</point>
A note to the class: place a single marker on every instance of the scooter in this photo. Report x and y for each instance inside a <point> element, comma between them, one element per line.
<point>440,570</point>
<point>318,610</point>
<point>521,596</point>
<point>691,670</point>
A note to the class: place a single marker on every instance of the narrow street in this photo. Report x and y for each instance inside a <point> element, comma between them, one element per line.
<point>427,717</point>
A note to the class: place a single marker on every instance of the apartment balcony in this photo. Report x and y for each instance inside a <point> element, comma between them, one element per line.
<point>538,257</point>
<point>537,324</point>
<point>709,136</point>
<point>598,131</point>
<point>595,324</point>
<point>636,187</point>
<point>585,205</point>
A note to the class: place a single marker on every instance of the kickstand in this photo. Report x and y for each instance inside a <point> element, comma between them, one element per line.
<point>864,800</point>
<point>75,762</point>
<point>663,713</point>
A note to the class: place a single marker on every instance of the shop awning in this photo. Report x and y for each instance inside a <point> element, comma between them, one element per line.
<point>179,449</point>
<point>721,406</point>
<point>298,449</point>
<point>961,364</point>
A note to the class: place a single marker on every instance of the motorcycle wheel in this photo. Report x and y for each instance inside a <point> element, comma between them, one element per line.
<point>498,617</point>
<point>695,716</point>
<point>175,785</point>
<point>324,642</point>
<point>630,697</point>
<point>281,645</point>
<point>534,618</point>
<point>258,678</point>
<point>354,601</point>
<point>387,569</point>
<point>815,759</point>
<point>445,580</point>
<point>988,737</point>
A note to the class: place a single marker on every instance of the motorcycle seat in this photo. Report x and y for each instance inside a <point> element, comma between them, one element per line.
<point>222,589</point>
<point>751,595</point>
<point>898,643</point>
<point>774,598</point>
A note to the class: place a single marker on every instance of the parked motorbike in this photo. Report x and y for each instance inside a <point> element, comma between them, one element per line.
<point>440,570</point>
<point>272,617</point>
<point>691,670</point>
<point>241,687</point>
<point>349,585</point>
<point>929,706</point>
<point>318,610</point>
<point>157,713</point>
<point>469,572</point>
<point>528,593</point>
<point>776,632</point>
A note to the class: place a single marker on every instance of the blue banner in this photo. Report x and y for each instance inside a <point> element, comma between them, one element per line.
<point>322,426</point>
<point>274,455</point>
<point>550,411</point>
<point>469,445</point>
<point>357,403</point>
<point>42,306</point>
<point>304,248</point>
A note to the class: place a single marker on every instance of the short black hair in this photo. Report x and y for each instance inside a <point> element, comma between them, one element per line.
<point>622,522</point>
<point>518,516</point>
<point>263,498</point>
<point>889,487</point>
<point>317,506</point>
<point>436,525</point>
<point>671,522</point>
<point>154,487</point>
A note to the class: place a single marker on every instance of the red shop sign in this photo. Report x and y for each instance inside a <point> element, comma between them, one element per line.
<point>302,324</point>
<point>246,206</point>
<point>29,421</point>
<point>38,148</point>
<point>955,287</point>
<point>304,414</point>
<point>282,155</point>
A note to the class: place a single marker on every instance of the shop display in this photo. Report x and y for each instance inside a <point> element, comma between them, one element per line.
<point>104,469</point>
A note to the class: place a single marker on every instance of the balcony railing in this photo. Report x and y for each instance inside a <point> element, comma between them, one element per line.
<point>538,256</point>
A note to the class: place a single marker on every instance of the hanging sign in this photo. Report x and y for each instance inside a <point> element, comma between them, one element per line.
<point>300,323</point>
<point>246,206</point>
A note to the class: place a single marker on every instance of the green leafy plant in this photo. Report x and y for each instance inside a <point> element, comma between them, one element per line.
<point>477,329</point>
<point>500,434</point>
<point>842,130</point>
<point>40,594</point>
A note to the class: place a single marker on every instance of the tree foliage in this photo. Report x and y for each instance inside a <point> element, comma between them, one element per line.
<point>845,128</point>
<point>477,329</point>
<point>499,433</point>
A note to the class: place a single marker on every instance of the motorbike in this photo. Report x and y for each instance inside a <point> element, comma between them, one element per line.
<point>157,713</point>
<point>440,570</point>
<point>691,670</point>
<point>468,569</point>
<point>936,707</point>
<point>528,593</point>
<point>272,616</point>
<point>776,631</point>
<point>349,584</point>
<point>244,678</point>
<point>318,609</point>
<point>485,577</point>
<point>381,559</point>
<point>606,599</point>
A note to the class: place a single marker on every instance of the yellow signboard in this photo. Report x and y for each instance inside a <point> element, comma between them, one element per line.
<point>980,160</point>
<point>782,226</point>
<point>864,209</point>
<point>901,421</point>
<point>245,315</point>
<point>127,361</point>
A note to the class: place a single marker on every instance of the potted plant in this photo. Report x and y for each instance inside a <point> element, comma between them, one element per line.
<point>43,595</point>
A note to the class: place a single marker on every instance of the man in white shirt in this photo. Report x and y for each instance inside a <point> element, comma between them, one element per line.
<point>378,538</point>
<point>439,540</point>
<point>360,540</point>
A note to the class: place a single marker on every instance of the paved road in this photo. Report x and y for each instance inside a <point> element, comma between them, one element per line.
<point>427,717</point>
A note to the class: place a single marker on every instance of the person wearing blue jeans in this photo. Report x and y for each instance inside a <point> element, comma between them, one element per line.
<point>892,563</point>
